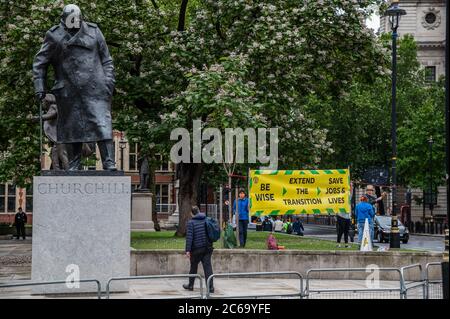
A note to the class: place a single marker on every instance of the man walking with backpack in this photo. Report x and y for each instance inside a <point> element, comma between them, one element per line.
<point>199,247</point>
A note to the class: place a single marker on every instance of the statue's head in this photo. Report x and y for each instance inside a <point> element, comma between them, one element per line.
<point>71,17</point>
<point>49,100</point>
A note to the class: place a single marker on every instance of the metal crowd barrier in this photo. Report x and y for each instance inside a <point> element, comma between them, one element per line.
<point>200,278</point>
<point>414,284</point>
<point>433,287</point>
<point>250,274</point>
<point>430,289</point>
<point>354,293</point>
<point>43,283</point>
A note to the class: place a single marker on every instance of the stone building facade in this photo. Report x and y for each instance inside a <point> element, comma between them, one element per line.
<point>425,20</point>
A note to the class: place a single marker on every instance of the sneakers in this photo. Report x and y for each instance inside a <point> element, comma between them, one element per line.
<point>187,287</point>
<point>347,246</point>
<point>338,246</point>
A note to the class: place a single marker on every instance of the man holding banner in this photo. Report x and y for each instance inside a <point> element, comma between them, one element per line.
<point>364,211</point>
<point>243,216</point>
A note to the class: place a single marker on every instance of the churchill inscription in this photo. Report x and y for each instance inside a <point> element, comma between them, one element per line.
<point>83,189</point>
<point>82,221</point>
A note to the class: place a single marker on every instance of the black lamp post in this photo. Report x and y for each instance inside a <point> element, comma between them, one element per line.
<point>122,145</point>
<point>431,189</point>
<point>394,13</point>
<point>445,267</point>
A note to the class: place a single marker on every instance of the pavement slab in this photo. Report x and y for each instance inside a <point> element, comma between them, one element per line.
<point>15,266</point>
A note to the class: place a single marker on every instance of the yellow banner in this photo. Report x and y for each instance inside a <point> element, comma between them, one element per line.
<point>296,192</point>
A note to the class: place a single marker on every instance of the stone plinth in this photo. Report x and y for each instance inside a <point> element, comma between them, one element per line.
<point>81,224</point>
<point>141,212</point>
<point>174,218</point>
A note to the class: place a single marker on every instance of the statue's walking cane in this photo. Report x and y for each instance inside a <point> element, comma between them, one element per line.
<point>40,136</point>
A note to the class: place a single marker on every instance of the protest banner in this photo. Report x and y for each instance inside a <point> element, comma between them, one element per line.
<point>296,192</point>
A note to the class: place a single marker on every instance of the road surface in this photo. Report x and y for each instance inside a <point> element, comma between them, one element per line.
<point>416,242</point>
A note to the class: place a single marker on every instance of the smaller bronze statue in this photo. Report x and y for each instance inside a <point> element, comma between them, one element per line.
<point>58,151</point>
<point>143,173</point>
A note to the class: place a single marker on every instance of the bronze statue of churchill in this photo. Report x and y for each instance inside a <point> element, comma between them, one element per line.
<point>84,84</point>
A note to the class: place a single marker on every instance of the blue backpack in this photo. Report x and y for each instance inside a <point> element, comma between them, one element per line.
<point>212,229</point>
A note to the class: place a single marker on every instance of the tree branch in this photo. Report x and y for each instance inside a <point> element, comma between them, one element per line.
<point>182,15</point>
<point>219,30</point>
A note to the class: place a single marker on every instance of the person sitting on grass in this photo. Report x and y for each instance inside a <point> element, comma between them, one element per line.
<point>272,243</point>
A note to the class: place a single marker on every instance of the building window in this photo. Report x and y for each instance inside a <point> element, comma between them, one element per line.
<point>90,162</point>
<point>430,18</point>
<point>430,73</point>
<point>29,199</point>
<point>2,198</point>
<point>11,198</point>
<point>162,198</point>
<point>163,164</point>
<point>133,157</point>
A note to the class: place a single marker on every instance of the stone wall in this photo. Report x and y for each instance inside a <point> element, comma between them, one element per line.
<point>163,262</point>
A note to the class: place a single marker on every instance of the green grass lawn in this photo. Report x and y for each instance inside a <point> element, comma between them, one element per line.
<point>255,240</point>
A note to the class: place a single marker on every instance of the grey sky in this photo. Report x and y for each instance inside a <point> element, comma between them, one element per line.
<point>373,22</point>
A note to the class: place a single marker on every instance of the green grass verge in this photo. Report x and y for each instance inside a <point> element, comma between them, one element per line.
<point>255,240</point>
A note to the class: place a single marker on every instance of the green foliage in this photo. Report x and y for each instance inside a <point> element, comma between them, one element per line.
<point>220,96</point>
<point>312,69</point>
<point>134,31</point>
<point>291,51</point>
<point>255,240</point>
<point>427,120</point>
<point>359,123</point>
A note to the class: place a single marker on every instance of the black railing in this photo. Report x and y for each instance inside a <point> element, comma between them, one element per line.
<point>430,226</point>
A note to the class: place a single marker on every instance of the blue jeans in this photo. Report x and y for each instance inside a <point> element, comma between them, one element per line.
<point>361,229</point>
<point>243,225</point>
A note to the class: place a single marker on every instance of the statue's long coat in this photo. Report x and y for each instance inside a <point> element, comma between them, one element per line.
<point>84,82</point>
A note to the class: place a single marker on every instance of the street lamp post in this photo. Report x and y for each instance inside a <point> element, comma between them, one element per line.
<point>122,145</point>
<point>445,267</point>
<point>394,13</point>
<point>431,189</point>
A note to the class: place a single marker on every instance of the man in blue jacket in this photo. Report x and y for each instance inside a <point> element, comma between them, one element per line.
<point>243,216</point>
<point>364,211</point>
<point>198,247</point>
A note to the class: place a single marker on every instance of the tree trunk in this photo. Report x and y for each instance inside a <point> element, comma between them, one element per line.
<point>182,15</point>
<point>190,175</point>
<point>152,187</point>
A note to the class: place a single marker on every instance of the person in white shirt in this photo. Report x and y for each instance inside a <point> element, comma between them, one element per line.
<point>278,225</point>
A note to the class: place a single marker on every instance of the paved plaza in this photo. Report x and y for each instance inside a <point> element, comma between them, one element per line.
<point>15,265</point>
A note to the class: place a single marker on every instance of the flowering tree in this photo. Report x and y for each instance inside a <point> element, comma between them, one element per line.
<point>245,63</point>
<point>290,51</point>
<point>134,31</point>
